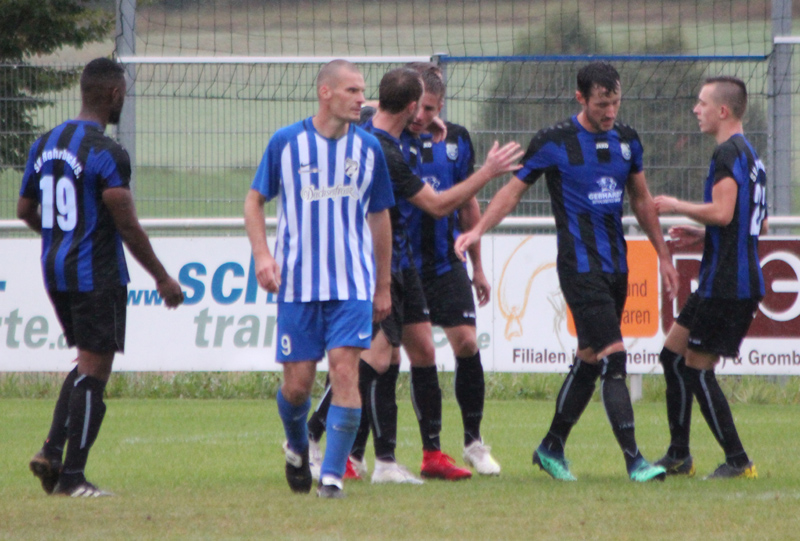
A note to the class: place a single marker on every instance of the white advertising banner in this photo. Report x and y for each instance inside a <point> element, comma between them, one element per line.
<point>229,324</point>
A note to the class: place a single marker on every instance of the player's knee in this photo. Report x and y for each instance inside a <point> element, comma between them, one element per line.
<point>613,365</point>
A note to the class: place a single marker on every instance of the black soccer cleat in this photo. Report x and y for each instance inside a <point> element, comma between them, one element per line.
<point>48,470</point>
<point>298,471</point>
<point>677,466</point>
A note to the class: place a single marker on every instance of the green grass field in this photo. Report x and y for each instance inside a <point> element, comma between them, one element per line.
<point>213,469</point>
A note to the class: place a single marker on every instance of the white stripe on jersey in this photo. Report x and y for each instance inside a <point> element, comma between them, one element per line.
<point>304,154</point>
<point>338,228</point>
<point>356,248</point>
<point>291,224</point>
<point>322,225</point>
<point>369,167</point>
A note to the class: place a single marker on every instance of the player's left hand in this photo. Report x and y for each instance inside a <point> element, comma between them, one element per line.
<point>170,290</point>
<point>482,287</point>
<point>381,304</point>
<point>438,129</point>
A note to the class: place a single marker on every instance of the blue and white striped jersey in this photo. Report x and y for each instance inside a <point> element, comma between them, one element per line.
<point>325,190</point>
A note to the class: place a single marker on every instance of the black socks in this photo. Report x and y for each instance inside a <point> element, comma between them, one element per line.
<point>470,390</point>
<point>575,394</point>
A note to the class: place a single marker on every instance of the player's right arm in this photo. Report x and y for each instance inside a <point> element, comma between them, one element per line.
<point>267,271</point>
<point>499,161</point>
<point>501,205</point>
<point>28,211</point>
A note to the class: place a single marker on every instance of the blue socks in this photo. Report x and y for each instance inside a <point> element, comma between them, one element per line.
<point>342,426</point>
<point>294,422</point>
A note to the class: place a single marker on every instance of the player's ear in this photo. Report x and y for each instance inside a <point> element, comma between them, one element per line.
<point>580,98</point>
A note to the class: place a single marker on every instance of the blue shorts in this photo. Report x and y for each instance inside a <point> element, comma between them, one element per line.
<point>306,330</point>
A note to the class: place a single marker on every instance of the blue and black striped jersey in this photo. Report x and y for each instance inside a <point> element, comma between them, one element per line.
<point>730,267</point>
<point>67,171</point>
<point>586,176</point>
<point>441,165</point>
<point>402,158</point>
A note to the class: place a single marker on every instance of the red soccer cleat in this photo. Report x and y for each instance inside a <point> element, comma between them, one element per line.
<point>437,465</point>
<point>350,472</point>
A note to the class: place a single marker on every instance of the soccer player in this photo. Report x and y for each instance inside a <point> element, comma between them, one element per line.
<point>447,286</point>
<point>76,194</point>
<point>588,161</point>
<point>445,282</point>
<point>399,95</point>
<point>715,318</point>
<point>331,268</point>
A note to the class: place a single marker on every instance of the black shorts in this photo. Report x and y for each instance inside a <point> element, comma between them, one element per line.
<point>717,326</point>
<point>93,320</point>
<point>596,301</point>
<point>408,306</point>
<point>450,298</point>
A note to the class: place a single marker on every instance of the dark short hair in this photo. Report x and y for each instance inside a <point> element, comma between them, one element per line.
<point>398,88</point>
<point>101,74</point>
<point>600,74</point>
<point>730,91</point>
<point>432,77</point>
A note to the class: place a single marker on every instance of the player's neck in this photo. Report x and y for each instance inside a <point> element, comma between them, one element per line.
<point>329,126</point>
<point>91,116</point>
<point>393,124</point>
<point>728,130</point>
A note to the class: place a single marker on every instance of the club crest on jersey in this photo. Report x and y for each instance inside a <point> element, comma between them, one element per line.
<point>351,168</point>
<point>608,193</point>
<point>452,151</point>
<point>625,148</point>
<point>432,181</point>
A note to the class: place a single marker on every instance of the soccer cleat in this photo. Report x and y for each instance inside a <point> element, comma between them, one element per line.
<point>478,455</point>
<point>357,468</point>
<point>46,469</point>
<point>437,465</point>
<point>84,489</point>
<point>389,471</point>
<point>298,472</point>
<point>314,458</point>
<point>642,471</point>
<point>350,471</point>
<point>553,465</point>
<point>677,466</point>
<point>330,488</point>
<point>726,471</point>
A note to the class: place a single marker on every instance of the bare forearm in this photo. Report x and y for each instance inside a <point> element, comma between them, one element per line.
<point>381,230</point>
<point>255,225</point>
<point>468,216</point>
<point>645,211</point>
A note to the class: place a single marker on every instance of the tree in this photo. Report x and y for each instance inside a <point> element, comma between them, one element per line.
<point>29,28</point>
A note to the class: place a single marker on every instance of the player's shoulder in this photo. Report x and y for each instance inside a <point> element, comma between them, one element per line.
<point>555,133</point>
<point>291,130</point>
<point>365,135</point>
<point>626,131</point>
<point>455,131</point>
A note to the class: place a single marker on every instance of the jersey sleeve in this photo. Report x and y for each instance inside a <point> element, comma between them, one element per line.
<point>725,158</point>
<point>466,155</point>
<point>267,179</point>
<point>381,196</point>
<point>29,188</point>
<point>113,168</point>
<point>535,160</point>
<point>405,183</point>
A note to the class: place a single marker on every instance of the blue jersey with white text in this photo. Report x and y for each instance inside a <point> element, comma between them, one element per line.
<point>325,189</point>
<point>586,176</point>
<point>441,165</point>
<point>730,267</point>
<point>67,171</point>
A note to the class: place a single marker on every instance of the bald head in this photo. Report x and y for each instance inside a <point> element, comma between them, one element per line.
<point>330,74</point>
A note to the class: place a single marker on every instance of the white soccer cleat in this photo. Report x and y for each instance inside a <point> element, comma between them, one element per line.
<point>389,471</point>
<point>314,459</point>
<point>360,466</point>
<point>478,455</point>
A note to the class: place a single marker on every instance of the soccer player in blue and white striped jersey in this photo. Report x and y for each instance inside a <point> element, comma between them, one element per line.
<point>331,268</point>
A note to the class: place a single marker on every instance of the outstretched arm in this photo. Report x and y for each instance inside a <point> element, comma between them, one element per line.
<point>469,215</point>
<point>504,201</point>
